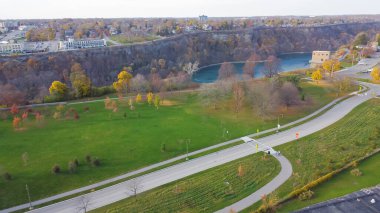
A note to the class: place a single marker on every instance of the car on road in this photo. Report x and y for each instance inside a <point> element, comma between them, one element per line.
<point>368,70</point>
<point>362,63</point>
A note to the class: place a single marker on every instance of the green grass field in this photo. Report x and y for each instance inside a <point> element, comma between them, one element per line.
<point>342,184</point>
<point>332,148</point>
<point>204,192</point>
<point>121,144</point>
<point>311,157</point>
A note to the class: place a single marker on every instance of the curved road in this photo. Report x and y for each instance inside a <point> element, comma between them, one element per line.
<point>158,178</point>
<point>284,175</point>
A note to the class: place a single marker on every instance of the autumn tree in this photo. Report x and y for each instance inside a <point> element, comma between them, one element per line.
<point>331,66</point>
<point>79,81</point>
<point>16,122</point>
<point>316,75</point>
<point>240,171</point>
<point>157,101</point>
<point>138,98</point>
<point>14,109</point>
<point>122,83</point>
<point>289,95</point>
<point>361,39</point>
<point>271,66</point>
<point>248,71</point>
<point>155,82</point>
<point>378,38</point>
<point>9,95</point>
<point>238,97</point>
<point>248,68</point>
<point>139,84</point>
<point>375,74</point>
<point>58,90</point>
<point>227,70</point>
<point>149,98</point>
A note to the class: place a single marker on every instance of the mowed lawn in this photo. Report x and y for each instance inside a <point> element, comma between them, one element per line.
<point>341,185</point>
<point>345,141</point>
<point>121,144</point>
<point>208,191</point>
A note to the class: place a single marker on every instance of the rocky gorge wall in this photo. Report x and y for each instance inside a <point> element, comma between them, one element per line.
<point>34,73</point>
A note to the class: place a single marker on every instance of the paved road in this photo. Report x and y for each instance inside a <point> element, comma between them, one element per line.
<point>149,181</point>
<point>124,176</point>
<point>284,175</point>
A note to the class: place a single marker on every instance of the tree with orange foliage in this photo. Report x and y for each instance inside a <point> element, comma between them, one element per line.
<point>24,115</point>
<point>14,109</point>
<point>240,171</point>
<point>16,122</point>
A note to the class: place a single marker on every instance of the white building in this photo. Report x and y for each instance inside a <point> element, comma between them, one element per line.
<point>72,44</point>
<point>9,48</point>
<point>203,18</point>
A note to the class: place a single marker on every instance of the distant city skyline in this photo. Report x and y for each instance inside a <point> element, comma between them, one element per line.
<point>48,9</point>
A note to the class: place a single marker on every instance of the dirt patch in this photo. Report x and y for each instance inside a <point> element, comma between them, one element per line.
<point>168,103</point>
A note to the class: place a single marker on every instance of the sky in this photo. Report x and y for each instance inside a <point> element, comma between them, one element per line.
<point>36,9</point>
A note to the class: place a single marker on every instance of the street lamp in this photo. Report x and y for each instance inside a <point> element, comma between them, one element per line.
<point>187,148</point>
<point>278,122</point>
<point>27,192</point>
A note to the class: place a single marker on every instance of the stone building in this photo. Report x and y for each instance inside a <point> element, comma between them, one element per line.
<point>318,57</point>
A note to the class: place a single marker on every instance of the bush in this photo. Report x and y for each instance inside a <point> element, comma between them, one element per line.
<point>56,169</point>
<point>100,91</point>
<point>356,172</point>
<point>306,195</point>
<point>88,158</point>
<point>76,162</point>
<point>95,162</point>
<point>7,176</point>
<point>72,167</point>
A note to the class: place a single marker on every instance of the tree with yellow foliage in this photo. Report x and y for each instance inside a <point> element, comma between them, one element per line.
<point>331,66</point>
<point>79,81</point>
<point>58,89</point>
<point>138,98</point>
<point>316,75</point>
<point>122,83</point>
<point>375,74</point>
<point>157,101</point>
<point>149,98</point>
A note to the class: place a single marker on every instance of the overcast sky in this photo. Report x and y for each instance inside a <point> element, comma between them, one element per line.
<point>17,9</point>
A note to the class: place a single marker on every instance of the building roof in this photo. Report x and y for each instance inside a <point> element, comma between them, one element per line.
<point>363,201</point>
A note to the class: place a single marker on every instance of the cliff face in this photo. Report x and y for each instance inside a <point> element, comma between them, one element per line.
<point>32,74</point>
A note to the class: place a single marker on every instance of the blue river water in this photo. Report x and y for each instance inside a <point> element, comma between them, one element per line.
<point>288,62</point>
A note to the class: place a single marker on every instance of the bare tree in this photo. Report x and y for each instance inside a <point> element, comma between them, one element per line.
<point>263,98</point>
<point>248,69</point>
<point>139,84</point>
<point>83,204</point>
<point>272,66</point>
<point>135,186</point>
<point>289,95</point>
<point>238,97</point>
<point>9,95</point>
<point>227,70</point>
<point>213,94</point>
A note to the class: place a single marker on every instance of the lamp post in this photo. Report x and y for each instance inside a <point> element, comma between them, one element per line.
<point>187,148</point>
<point>27,192</point>
<point>278,122</point>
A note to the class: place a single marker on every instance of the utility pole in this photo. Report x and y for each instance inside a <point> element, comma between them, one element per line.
<point>187,149</point>
<point>27,192</point>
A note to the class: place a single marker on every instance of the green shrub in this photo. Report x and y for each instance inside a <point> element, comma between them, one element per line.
<point>72,167</point>
<point>95,162</point>
<point>56,169</point>
<point>7,176</point>
<point>356,172</point>
<point>307,195</point>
